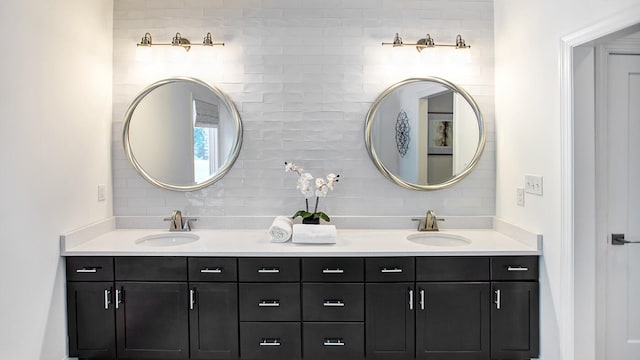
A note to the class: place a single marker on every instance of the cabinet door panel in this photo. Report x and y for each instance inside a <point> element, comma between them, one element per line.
<point>152,320</point>
<point>453,321</point>
<point>92,327</point>
<point>389,320</point>
<point>213,320</point>
<point>515,322</point>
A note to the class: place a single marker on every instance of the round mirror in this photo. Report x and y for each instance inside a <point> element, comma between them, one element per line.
<point>182,134</point>
<point>425,134</point>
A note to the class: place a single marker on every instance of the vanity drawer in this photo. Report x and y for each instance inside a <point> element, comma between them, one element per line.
<point>269,302</point>
<point>151,268</point>
<point>89,268</point>
<point>269,269</point>
<point>333,340</point>
<point>332,269</point>
<point>270,340</point>
<point>333,302</point>
<point>389,269</point>
<point>514,268</point>
<point>212,269</point>
<point>452,268</point>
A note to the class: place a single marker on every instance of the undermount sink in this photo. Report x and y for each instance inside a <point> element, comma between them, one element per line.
<point>438,239</point>
<point>167,239</point>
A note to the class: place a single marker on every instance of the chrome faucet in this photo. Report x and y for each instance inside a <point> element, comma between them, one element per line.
<point>179,223</point>
<point>429,223</point>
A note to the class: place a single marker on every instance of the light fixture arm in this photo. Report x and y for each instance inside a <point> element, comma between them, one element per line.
<point>427,42</point>
<point>180,41</point>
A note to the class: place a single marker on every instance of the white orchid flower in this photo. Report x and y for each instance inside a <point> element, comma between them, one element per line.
<point>320,182</point>
<point>322,191</point>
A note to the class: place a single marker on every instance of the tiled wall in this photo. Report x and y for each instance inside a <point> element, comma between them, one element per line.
<point>303,74</point>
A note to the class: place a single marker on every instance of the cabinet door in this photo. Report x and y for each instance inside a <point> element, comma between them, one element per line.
<point>515,320</point>
<point>152,320</point>
<point>452,321</point>
<point>389,320</point>
<point>92,329</point>
<point>213,319</point>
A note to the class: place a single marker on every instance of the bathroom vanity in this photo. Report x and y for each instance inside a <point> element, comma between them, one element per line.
<point>251,299</point>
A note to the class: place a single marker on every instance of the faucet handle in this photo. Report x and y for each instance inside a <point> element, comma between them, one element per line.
<point>186,225</point>
<point>421,224</point>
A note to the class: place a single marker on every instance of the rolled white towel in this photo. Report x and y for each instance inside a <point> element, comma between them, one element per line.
<point>281,229</point>
<point>314,234</point>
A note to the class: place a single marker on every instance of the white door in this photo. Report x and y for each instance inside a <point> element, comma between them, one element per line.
<point>623,173</point>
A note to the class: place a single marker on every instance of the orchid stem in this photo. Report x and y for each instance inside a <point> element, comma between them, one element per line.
<point>307,202</point>
<point>316,208</point>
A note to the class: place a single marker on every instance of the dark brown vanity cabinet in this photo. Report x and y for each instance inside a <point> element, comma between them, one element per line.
<point>90,295</point>
<point>455,310</point>
<point>440,308</point>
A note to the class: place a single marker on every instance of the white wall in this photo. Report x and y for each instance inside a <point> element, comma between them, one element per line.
<point>528,115</point>
<point>55,112</point>
<point>303,74</point>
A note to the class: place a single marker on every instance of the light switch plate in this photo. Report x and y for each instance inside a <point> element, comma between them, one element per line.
<point>520,196</point>
<point>101,192</point>
<point>533,184</point>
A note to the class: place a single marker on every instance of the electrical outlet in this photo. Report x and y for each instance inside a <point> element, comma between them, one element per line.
<point>533,184</point>
<point>520,196</point>
<point>101,192</point>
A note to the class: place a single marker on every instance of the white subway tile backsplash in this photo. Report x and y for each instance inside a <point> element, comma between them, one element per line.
<point>303,74</point>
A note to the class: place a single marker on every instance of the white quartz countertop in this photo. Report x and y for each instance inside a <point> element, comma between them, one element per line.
<point>255,243</point>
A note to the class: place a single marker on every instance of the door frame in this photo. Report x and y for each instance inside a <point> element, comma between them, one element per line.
<point>568,223</point>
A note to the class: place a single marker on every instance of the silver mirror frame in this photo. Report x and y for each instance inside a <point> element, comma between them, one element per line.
<point>235,151</point>
<point>368,135</point>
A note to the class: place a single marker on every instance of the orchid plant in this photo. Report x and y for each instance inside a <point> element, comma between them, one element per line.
<point>322,187</point>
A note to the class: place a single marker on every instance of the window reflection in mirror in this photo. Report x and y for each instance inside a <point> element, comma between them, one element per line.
<point>182,134</point>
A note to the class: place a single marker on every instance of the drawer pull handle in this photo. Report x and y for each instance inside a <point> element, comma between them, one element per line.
<point>107,298</point>
<point>333,303</point>
<point>517,268</point>
<point>270,342</point>
<point>87,270</point>
<point>390,271</point>
<point>498,301</point>
<point>268,270</point>
<point>192,298</point>
<point>421,299</point>
<point>333,342</point>
<point>333,271</point>
<point>211,271</point>
<point>269,303</point>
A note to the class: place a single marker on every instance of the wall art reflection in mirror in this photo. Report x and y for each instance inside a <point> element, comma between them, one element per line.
<point>182,134</point>
<point>447,133</point>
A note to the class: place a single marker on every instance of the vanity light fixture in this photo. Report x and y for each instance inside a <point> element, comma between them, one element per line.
<point>427,42</point>
<point>178,41</point>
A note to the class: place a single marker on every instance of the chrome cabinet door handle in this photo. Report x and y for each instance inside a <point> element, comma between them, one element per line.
<point>107,298</point>
<point>192,298</point>
<point>333,342</point>
<point>333,271</point>
<point>268,270</point>
<point>517,268</point>
<point>421,299</point>
<point>270,342</point>
<point>388,271</point>
<point>269,303</point>
<point>118,300</point>
<point>211,271</point>
<point>333,303</point>
<point>498,301</point>
<point>87,270</point>
<point>410,299</point>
